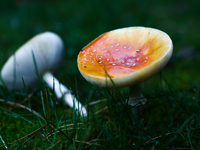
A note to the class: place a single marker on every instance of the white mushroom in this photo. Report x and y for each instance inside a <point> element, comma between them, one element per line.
<point>127,57</point>
<point>35,59</point>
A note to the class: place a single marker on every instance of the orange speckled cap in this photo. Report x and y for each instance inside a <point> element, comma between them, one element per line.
<point>126,56</point>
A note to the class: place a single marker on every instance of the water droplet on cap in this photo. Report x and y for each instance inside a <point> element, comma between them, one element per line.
<point>137,50</point>
<point>134,64</point>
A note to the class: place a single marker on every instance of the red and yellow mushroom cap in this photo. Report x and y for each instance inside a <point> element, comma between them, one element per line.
<point>124,57</point>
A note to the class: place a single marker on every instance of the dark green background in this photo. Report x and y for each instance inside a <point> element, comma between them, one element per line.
<point>173,95</point>
<point>80,21</point>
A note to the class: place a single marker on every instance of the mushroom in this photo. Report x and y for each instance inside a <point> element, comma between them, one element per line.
<point>38,58</point>
<point>125,58</point>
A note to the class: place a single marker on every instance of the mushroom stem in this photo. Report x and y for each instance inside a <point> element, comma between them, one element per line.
<point>61,90</point>
<point>136,100</point>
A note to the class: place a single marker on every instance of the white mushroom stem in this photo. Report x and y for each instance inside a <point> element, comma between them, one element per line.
<point>62,91</point>
<point>136,100</point>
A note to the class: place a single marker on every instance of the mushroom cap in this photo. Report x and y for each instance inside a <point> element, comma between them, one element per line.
<point>125,57</point>
<point>46,49</point>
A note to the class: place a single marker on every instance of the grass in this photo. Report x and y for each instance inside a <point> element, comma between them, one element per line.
<point>170,120</point>
<point>38,120</point>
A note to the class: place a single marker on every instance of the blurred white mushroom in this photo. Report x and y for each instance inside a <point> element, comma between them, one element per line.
<point>38,58</point>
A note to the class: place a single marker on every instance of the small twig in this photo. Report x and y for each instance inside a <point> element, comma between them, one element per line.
<point>103,109</point>
<point>191,135</point>
<point>53,145</point>
<point>29,96</point>
<point>27,140</point>
<point>27,135</point>
<point>68,137</point>
<point>89,142</point>
<point>53,130</point>
<point>24,107</point>
<point>151,140</point>
<point>96,102</point>
<point>182,148</point>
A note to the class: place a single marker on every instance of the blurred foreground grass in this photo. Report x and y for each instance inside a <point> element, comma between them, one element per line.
<point>171,117</point>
